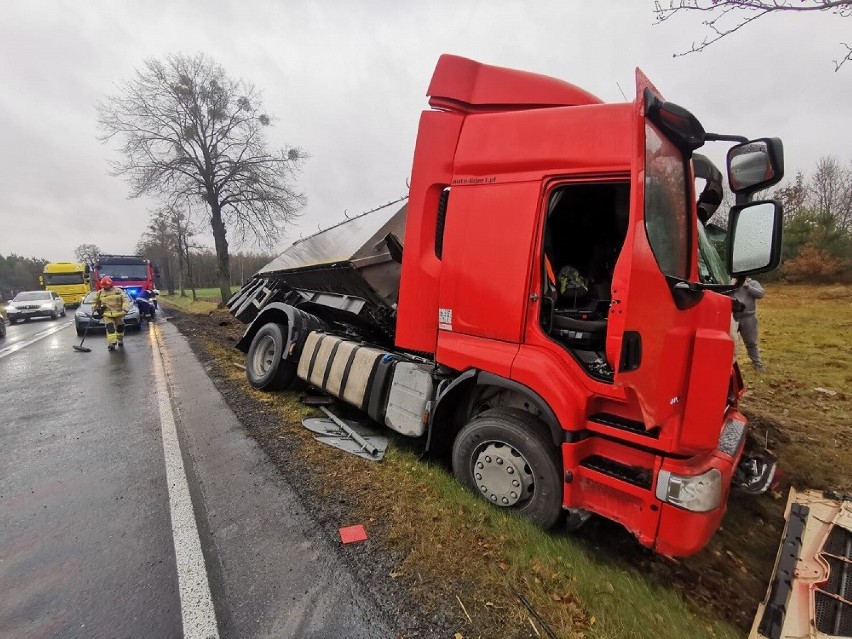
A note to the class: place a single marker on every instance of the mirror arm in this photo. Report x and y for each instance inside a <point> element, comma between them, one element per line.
<point>721,137</point>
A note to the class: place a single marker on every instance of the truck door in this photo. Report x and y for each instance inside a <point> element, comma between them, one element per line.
<point>649,339</point>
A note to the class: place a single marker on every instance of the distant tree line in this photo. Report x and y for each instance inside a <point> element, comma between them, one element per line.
<point>818,223</point>
<point>19,273</point>
<point>182,263</point>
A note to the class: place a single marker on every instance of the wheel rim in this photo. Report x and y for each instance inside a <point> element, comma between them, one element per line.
<point>502,474</point>
<point>264,355</point>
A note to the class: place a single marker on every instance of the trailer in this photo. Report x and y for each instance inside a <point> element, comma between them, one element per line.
<point>545,308</point>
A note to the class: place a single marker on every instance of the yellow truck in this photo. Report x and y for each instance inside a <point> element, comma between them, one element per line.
<point>69,280</point>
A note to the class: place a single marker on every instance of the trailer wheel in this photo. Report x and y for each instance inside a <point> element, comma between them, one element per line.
<point>265,369</point>
<point>506,455</point>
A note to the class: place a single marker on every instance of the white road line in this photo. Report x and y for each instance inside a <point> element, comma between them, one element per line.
<point>196,603</point>
<point>13,348</point>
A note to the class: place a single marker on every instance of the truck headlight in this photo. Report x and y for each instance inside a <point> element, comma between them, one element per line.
<point>698,493</point>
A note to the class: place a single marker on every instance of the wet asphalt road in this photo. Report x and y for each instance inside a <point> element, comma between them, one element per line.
<point>89,521</point>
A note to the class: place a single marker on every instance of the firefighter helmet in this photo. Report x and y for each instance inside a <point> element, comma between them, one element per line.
<point>106,281</point>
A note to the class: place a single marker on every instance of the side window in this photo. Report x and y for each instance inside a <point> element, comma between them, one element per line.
<point>583,235</point>
<point>666,211</point>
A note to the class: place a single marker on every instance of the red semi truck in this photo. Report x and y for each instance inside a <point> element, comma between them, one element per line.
<point>446,319</point>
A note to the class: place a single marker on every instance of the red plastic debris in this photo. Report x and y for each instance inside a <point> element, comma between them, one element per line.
<point>351,534</point>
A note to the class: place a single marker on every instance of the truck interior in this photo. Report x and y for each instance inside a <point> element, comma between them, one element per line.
<point>583,234</point>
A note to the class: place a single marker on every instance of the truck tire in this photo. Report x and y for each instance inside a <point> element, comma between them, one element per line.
<point>507,456</point>
<point>265,369</point>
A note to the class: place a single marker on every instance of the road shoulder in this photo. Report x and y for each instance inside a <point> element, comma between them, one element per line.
<point>273,566</point>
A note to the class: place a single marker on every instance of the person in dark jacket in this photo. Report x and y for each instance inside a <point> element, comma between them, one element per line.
<point>747,295</point>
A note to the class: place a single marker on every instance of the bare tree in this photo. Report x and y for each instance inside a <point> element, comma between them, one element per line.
<point>183,230</point>
<point>725,17</point>
<point>830,191</point>
<point>158,244</point>
<point>87,253</point>
<point>187,130</point>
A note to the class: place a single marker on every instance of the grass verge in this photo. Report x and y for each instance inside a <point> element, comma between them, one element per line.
<point>456,551</point>
<point>806,344</point>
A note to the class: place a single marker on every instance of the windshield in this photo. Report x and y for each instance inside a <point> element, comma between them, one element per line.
<point>711,267</point>
<point>124,271</point>
<point>63,278</point>
<point>667,220</point>
<point>32,296</point>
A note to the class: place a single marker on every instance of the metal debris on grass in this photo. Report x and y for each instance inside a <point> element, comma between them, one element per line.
<point>348,436</point>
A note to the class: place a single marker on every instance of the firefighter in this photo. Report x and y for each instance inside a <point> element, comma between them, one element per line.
<point>112,303</point>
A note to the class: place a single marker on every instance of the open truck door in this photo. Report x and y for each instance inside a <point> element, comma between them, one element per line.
<point>649,343</point>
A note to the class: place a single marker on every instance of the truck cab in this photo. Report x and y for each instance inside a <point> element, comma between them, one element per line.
<point>518,178</point>
<point>132,273</point>
<point>69,280</point>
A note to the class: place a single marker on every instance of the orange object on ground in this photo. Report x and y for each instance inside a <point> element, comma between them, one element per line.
<point>351,534</point>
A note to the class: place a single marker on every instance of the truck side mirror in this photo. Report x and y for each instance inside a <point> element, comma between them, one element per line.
<point>755,165</point>
<point>755,238</point>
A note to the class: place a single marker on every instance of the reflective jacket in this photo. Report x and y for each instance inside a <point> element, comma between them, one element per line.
<point>113,301</point>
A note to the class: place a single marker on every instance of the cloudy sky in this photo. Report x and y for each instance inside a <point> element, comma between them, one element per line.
<point>346,81</point>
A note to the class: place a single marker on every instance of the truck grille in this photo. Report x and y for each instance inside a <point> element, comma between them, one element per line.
<point>635,475</point>
<point>833,602</point>
<point>622,423</point>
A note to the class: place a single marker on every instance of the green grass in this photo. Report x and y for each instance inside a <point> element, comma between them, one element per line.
<point>207,299</point>
<point>572,587</point>
<point>206,293</point>
<point>805,337</point>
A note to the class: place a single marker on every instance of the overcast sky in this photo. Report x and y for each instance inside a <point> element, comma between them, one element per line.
<point>346,81</point>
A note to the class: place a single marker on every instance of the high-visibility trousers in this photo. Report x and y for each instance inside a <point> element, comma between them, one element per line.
<point>114,327</point>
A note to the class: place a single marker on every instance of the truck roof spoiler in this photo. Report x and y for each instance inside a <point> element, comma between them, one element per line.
<point>464,85</point>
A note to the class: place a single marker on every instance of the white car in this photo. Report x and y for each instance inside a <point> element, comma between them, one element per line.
<point>29,304</point>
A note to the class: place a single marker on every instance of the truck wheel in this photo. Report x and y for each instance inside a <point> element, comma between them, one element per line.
<point>506,455</point>
<point>265,369</point>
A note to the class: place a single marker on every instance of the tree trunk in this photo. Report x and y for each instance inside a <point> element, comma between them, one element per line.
<point>166,263</point>
<point>181,271</point>
<point>223,270</point>
<point>189,276</point>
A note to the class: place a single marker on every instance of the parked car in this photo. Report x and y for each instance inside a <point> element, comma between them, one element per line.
<point>29,304</point>
<point>84,315</point>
